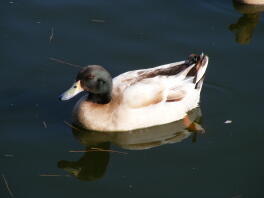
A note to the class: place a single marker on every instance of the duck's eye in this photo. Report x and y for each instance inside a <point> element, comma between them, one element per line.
<point>100,81</point>
<point>75,87</point>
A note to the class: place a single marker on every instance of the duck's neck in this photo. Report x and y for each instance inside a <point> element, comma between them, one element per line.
<point>99,98</point>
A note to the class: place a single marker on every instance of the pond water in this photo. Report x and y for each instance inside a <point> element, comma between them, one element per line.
<point>35,141</point>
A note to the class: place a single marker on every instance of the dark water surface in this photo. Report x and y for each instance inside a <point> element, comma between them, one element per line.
<point>226,161</point>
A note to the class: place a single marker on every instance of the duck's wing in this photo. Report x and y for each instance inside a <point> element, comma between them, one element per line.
<point>167,83</point>
<point>151,92</point>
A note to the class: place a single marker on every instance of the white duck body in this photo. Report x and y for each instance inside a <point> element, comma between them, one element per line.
<point>144,98</point>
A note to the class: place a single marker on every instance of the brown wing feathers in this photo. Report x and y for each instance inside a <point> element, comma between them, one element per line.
<point>198,60</point>
<point>173,70</point>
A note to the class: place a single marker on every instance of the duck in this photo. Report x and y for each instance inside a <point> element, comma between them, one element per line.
<point>137,99</point>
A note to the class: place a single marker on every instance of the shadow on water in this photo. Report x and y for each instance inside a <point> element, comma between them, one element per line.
<point>246,24</point>
<point>93,164</point>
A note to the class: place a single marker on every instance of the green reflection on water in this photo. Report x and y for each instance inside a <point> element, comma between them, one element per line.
<point>246,24</point>
<point>91,166</point>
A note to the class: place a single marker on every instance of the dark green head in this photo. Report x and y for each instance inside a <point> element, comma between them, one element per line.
<point>94,79</point>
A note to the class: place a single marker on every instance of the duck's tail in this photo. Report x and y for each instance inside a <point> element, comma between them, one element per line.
<point>198,70</point>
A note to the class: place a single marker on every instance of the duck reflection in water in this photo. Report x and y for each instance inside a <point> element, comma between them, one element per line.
<point>246,24</point>
<point>93,164</point>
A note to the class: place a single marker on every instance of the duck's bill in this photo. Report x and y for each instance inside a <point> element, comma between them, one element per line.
<point>73,91</point>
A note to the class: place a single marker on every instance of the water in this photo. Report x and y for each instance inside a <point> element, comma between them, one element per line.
<point>125,35</point>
